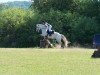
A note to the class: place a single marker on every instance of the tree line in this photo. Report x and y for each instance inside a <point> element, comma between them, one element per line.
<point>78,20</point>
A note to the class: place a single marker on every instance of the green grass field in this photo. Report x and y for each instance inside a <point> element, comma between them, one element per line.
<point>34,61</point>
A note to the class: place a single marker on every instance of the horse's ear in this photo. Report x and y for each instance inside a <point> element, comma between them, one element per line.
<point>36,24</point>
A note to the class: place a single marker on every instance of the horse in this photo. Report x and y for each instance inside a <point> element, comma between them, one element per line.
<point>60,38</point>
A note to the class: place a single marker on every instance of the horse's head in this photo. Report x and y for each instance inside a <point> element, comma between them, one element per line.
<point>40,27</point>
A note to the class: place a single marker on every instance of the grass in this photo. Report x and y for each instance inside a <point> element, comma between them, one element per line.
<point>34,61</point>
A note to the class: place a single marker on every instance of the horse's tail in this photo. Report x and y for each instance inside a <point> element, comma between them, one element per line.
<point>65,40</point>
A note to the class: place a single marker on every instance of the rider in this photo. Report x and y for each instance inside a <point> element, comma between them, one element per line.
<point>49,27</point>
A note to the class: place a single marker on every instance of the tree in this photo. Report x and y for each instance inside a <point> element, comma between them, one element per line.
<point>47,5</point>
<point>17,28</point>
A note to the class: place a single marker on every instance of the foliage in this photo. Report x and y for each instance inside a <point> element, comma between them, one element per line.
<point>73,18</point>
<point>17,28</point>
<point>46,5</point>
<point>78,20</point>
<point>2,7</point>
<point>84,29</point>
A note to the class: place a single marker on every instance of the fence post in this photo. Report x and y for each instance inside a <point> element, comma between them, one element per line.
<point>42,44</point>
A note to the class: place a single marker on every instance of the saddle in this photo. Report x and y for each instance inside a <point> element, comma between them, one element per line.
<point>50,32</point>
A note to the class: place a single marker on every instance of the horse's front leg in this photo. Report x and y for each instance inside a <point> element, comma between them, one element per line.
<point>60,44</point>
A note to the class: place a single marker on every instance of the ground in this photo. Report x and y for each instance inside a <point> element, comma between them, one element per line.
<point>34,61</point>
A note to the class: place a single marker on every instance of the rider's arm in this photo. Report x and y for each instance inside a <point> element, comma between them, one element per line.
<point>50,27</point>
<point>46,25</point>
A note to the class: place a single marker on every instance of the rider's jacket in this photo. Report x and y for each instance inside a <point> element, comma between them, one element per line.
<point>49,26</point>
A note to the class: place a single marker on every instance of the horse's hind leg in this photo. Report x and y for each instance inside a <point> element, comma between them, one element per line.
<point>65,41</point>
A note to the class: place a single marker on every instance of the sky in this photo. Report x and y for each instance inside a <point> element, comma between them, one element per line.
<point>2,1</point>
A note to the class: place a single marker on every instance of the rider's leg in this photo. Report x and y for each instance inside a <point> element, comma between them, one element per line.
<point>48,32</point>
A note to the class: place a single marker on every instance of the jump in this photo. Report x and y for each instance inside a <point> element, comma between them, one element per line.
<point>60,38</point>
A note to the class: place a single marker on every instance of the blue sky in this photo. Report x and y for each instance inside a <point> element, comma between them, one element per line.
<point>2,1</point>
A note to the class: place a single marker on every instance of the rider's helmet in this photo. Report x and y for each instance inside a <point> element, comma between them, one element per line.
<point>43,22</point>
